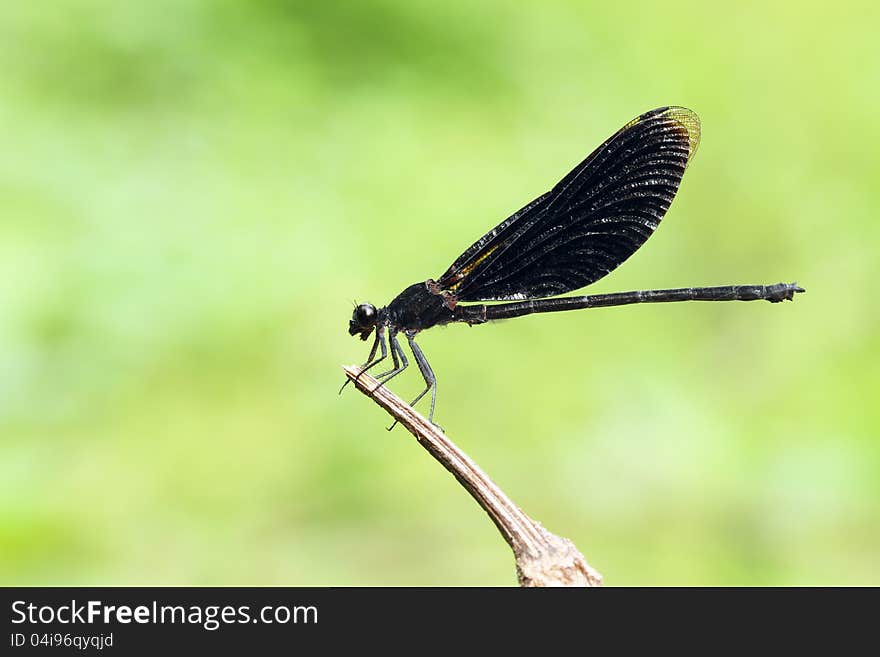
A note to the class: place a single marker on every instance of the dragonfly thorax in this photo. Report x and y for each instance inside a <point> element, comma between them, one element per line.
<point>419,307</point>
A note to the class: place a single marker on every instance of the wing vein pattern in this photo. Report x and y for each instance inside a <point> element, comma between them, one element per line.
<point>590,222</point>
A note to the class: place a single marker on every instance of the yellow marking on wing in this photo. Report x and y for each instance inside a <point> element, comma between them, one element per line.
<point>690,122</point>
<point>684,117</point>
<point>468,268</point>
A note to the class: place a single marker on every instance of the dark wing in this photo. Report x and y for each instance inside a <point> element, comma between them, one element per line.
<point>590,222</point>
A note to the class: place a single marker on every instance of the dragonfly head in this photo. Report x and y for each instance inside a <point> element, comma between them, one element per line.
<point>363,320</point>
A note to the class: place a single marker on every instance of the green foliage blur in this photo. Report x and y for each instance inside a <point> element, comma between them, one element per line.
<point>193,193</point>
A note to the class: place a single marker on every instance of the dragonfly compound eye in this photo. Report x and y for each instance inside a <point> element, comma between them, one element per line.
<point>363,320</point>
<point>365,315</point>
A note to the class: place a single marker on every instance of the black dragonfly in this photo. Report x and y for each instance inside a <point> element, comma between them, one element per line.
<point>588,224</point>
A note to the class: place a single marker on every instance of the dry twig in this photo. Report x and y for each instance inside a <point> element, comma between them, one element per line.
<point>542,558</point>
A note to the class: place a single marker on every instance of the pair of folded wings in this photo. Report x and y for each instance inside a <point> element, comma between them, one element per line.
<point>590,222</point>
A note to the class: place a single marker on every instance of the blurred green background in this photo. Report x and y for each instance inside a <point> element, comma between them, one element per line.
<point>193,193</point>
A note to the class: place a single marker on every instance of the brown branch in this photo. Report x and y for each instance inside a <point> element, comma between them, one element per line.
<point>542,558</point>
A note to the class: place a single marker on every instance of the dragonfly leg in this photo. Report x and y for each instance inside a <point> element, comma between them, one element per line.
<point>427,374</point>
<point>377,343</point>
<point>398,358</point>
